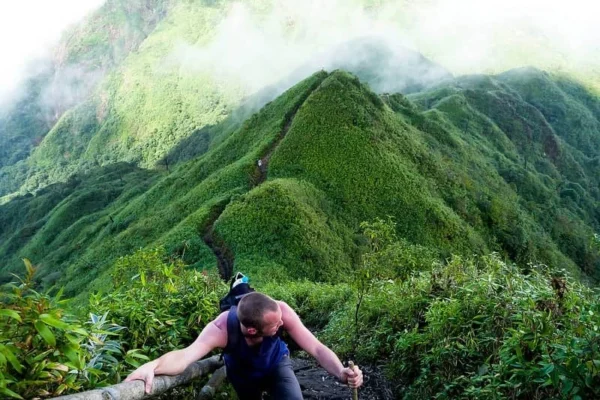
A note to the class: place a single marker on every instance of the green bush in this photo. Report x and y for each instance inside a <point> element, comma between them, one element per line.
<point>45,351</point>
<point>163,304</point>
<point>315,303</point>
<point>479,328</point>
<point>470,328</point>
<point>158,305</point>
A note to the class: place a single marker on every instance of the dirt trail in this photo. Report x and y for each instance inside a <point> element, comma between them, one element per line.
<point>317,384</point>
<point>224,255</point>
<point>263,164</point>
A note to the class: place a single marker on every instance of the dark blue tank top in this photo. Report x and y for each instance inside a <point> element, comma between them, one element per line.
<point>253,362</point>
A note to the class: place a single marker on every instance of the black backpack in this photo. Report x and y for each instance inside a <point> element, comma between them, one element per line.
<point>238,288</point>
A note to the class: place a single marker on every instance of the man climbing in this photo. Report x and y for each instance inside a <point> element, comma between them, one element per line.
<point>256,358</point>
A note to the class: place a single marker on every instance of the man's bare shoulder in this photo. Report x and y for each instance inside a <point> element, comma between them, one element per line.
<point>221,321</point>
<point>288,315</point>
<point>285,308</point>
<point>214,333</point>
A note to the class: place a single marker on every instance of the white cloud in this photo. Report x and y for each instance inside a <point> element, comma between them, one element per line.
<point>261,49</point>
<point>465,36</point>
<point>28,29</point>
<point>258,48</point>
<point>491,35</point>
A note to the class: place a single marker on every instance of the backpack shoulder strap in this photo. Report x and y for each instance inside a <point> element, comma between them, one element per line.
<point>233,330</point>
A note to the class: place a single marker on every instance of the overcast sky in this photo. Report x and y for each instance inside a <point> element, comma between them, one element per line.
<point>464,36</point>
<point>28,28</point>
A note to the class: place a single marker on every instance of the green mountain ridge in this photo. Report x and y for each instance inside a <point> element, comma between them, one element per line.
<point>443,229</point>
<point>466,168</point>
<point>122,64</point>
<point>85,55</point>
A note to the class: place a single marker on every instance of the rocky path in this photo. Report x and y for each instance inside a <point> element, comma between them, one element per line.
<point>317,384</point>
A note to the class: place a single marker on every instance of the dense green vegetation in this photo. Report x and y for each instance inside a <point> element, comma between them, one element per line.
<point>471,328</point>
<point>474,327</point>
<point>161,302</point>
<point>124,87</point>
<point>477,165</point>
<point>549,166</point>
<point>88,52</point>
<point>21,129</point>
<point>451,165</point>
<point>128,64</point>
<point>185,198</point>
<point>469,279</point>
<point>62,220</point>
<point>47,351</point>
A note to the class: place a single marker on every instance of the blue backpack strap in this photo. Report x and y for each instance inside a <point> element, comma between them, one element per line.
<point>233,330</point>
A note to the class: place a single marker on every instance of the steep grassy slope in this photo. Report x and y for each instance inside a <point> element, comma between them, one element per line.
<point>137,112</point>
<point>22,126</point>
<point>458,172</point>
<point>84,56</point>
<point>135,65</point>
<point>61,221</point>
<point>178,208</point>
<point>544,134</point>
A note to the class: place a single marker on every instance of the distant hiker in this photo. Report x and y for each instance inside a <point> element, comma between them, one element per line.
<point>259,162</point>
<point>256,358</point>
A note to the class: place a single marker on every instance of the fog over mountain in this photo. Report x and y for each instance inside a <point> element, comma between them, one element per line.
<point>28,31</point>
<point>464,36</point>
<point>419,179</point>
<point>258,42</point>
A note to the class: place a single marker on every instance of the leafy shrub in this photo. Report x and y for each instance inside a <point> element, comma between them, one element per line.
<point>474,327</point>
<point>44,351</point>
<point>479,328</point>
<point>162,304</point>
<point>314,302</point>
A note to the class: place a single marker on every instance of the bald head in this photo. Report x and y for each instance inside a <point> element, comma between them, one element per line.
<point>253,308</point>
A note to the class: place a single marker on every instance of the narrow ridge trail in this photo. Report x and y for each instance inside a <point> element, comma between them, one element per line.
<point>224,255</point>
<point>315,382</point>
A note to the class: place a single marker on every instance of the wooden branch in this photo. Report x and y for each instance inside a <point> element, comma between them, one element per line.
<point>135,390</point>
<point>210,389</point>
<point>354,390</point>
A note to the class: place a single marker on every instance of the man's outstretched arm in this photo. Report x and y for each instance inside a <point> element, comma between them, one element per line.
<point>213,335</point>
<point>323,354</point>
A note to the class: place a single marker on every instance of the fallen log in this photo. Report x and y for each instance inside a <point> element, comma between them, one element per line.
<point>135,390</point>
<point>210,389</point>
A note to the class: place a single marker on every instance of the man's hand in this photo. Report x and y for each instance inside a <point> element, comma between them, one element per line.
<point>309,343</point>
<point>353,377</point>
<point>175,362</point>
<point>144,373</point>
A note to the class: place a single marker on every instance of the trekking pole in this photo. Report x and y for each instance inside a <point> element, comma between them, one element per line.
<point>354,390</point>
